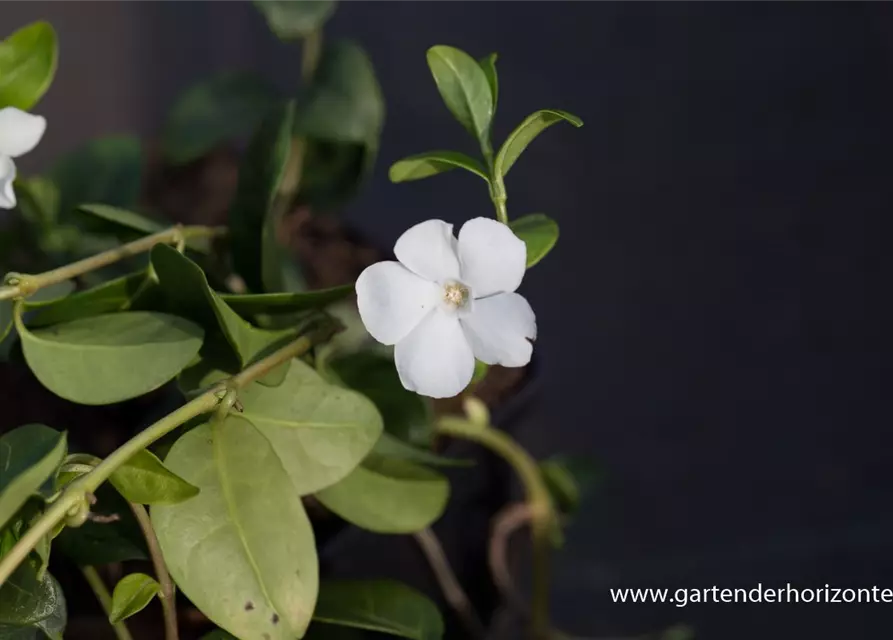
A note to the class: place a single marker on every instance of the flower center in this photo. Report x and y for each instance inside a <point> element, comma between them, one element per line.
<point>456,295</point>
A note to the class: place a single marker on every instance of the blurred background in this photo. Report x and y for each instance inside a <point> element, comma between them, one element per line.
<point>713,324</point>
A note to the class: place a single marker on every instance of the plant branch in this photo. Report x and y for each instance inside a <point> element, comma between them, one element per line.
<point>449,584</point>
<point>505,524</point>
<point>167,594</point>
<point>105,599</point>
<point>20,285</point>
<point>538,502</point>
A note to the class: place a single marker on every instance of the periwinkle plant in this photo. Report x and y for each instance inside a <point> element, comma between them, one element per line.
<point>268,419</point>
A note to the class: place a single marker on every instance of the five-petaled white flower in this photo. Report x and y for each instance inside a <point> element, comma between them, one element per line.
<point>19,133</point>
<point>447,302</point>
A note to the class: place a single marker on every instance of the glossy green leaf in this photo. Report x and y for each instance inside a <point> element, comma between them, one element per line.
<point>114,295</point>
<point>27,601</point>
<point>260,175</point>
<point>388,496</point>
<point>518,140</point>
<point>187,293</point>
<point>38,201</point>
<point>488,65</point>
<point>29,457</point>
<point>539,232</point>
<point>291,20</point>
<point>431,163</point>
<point>110,358</point>
<point>385,606</point>
<point>390,447</point>
<point>340,116</point>
<point>225,106</point>
<point>242,550</point>
<point>107,170</point>
<point>569,479</point>
<point>131,595</point>
<point>145,480</point>
<point>275,303</point>
<point>464,87</point>
<point>28,60</point>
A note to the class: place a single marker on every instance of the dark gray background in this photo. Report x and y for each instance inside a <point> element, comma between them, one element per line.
<point>714,322</point>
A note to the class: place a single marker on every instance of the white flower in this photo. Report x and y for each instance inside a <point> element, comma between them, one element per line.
<point>19,133</point>
<point>447,302</point>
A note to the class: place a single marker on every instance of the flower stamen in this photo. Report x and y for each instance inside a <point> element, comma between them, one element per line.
<point>455,294</point>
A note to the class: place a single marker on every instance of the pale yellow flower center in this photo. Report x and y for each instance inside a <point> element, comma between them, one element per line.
<point>455,294</point>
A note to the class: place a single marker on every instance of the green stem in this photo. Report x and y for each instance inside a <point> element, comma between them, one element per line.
<point>25,285</point>
<point>105,599</point>
<point>167,593</point>
<point>538,501</point>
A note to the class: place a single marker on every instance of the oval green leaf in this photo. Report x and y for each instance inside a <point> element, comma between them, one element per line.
<point>488,65</point>
<point>252,304</point>
<point>518,140</point>
<point>291,20</point>
<point>539,232</point>
<point>388,496</point>
<point>110,358</point>
<point>145,480</point>
<point>30,601</point>
<point>385,606</point>
<point>431,163</point>
<point>464,87</point>
<point>131,595</point>
<point>29,457</point>
<point>226,106</point>
<point>28,60</point>
<point>243,549</point>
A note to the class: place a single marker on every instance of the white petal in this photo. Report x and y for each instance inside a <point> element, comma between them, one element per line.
<point>7,177</point>
<point>493,258</point>
<point>500,329</point>
<point>435,360</point>
<point>392,300</point>
<point>428,249</point>
<point>19,131</point>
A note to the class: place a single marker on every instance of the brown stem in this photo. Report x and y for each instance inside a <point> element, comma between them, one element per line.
<point>167,594</point>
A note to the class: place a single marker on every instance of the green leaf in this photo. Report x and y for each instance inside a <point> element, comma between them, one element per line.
<point>518,140</point>
<point>131,595</point>
<point>291,20</point>
<point>390,447</point>
<point>123,218</point>
<point>242,550</point>
<point>187,293</point>
<point>114,295</point>
<point>569,479</point>
<point>488,65</point>
<point>251,222</point>
<point>539,232</point>
<point>107,170</point>
<point>464,87</point>
<point>110,358</point>
<point>29,456</point>
<point>385,606</point>
<point>431,163</point>
<point>29,601</point>
<point>226,106</point>
<point>388,496</point>
<point>340,116</point>
<point>38,201</point>
<point>145,480</point>
<point>28,60</point>
<point>480,371</point>
<point>252,304</point>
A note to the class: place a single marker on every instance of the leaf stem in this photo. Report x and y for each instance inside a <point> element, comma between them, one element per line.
<point>538,501</point>
<point>20,285</point>
<point>167,594</point>
<point>105,599</point>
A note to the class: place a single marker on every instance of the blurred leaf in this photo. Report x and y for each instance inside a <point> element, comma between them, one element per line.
<point>480,371</point>
<point>27,601</point>
<point>252,304</point>
<point>539,232</point>
<point>29,456</point>
<point>5,318</point>
<point>107,170</point>
<point>390,447</point>
<point>38,201</point>
<point>568,479</point>
<point>385,606</point>
<point>518,140</point>
<point>225,106</point>
<point>252,218</point>
<point>488,65</point>
<point>122,218</point>
<point>256,570</point>
<point>431,163</point>
<point>340,117</point>
<point>388,496</point>
<point>143,479</point>
<point>291,20</point>
<point>131,595</point>
<point>110,296</point>
<point>28,60</point>
<point>110,358</point>
<point>464,87</point>
<point>49,294</point>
